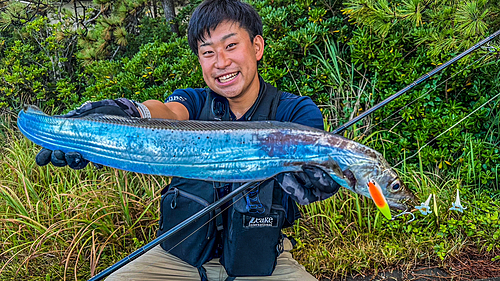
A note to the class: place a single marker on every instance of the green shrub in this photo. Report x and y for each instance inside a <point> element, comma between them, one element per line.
<point>291,29</point>
<point>393,45</point>
<point>152,73</point>
<point>37,66</point>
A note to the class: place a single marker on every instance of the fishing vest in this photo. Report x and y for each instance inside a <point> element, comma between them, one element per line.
<point>250,227</point>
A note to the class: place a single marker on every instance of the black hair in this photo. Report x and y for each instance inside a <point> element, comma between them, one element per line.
<point>209,14</point>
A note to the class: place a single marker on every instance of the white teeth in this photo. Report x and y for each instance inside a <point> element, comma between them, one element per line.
<point>227,77</point>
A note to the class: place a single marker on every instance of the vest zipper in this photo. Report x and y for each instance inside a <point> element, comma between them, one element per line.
<point>188,195</point>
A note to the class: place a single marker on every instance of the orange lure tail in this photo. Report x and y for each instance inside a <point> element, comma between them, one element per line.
<point>379,199</point>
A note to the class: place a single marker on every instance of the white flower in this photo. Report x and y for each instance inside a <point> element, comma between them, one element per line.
<point>424,207</point>
<point>457,206</point>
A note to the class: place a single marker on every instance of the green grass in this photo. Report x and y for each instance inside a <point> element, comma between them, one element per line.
<point>61,224</point>
<point>69,221</point>
<point>347,234</point>
<point>333,242</point>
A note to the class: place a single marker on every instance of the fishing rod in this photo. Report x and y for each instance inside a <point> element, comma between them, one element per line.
<point>205,211</point>
<point>415,83</point>
<point>234,193</point>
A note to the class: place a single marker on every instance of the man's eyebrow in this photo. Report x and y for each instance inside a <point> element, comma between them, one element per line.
<point>208,43</point>
<point>227,36</point>
<point>205,44</point>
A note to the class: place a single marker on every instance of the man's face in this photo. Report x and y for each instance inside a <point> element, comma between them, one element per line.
<point>229,61</point>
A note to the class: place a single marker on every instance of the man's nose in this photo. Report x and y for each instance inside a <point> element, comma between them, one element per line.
<point>222,60</point>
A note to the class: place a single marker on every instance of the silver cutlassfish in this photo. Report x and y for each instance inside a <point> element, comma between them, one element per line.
<point>216,151</point>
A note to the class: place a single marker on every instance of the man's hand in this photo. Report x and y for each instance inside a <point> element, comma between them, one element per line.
<point>311,185</point>
<point>119,107</point>
<point>60,159</point>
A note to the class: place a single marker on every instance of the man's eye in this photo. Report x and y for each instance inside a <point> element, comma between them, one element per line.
<point>207,53</point>
<point>231,45</point>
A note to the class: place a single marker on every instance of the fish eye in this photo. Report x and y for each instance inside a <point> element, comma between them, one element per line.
<point>396,187</point>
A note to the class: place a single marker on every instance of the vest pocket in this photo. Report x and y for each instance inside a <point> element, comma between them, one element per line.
<point>193,243</point>
<point>252,244</point>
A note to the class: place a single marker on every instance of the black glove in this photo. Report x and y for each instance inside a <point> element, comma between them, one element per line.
<point>311,185</point>
<point>118,107</point>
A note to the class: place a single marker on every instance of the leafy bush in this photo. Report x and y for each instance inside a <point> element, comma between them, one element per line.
<point>397,42</point>
<point>37,65</point>
<point>291,29</point>
<point>152,73</point>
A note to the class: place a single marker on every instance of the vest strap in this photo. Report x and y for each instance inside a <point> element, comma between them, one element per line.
<point>203,273</point>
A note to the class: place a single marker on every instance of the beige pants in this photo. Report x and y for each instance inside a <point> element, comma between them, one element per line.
<point>157,264</point>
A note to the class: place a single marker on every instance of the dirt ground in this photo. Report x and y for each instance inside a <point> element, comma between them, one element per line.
<point>468,266</point>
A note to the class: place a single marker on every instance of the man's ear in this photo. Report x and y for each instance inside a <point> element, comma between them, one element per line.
<point>258,44</point>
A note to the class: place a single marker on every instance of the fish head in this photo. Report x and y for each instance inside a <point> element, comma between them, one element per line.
<point>358,174</point>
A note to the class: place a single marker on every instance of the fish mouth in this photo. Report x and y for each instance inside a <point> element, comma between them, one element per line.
<point>397,205</point>
<point>403,205</point>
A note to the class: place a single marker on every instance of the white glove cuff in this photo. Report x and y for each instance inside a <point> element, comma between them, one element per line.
<point>143,110</point>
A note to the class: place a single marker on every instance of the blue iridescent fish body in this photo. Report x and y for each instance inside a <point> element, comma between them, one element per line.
<point>215,151</point>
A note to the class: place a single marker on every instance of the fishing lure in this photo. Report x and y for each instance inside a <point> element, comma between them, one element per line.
<point>379,199</point>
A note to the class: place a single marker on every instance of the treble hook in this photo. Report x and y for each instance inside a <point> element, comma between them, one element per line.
<point>405,212</point>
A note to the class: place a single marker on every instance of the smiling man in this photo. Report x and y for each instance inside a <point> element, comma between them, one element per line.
<point>227,38</point>
<point>243,240</point>
<point>228,56</point>
<point>246,241</point>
